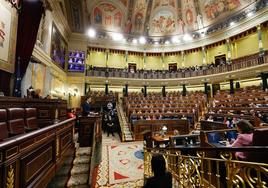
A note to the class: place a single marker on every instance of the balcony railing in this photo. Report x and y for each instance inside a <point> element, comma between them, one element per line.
<point>210,167</point>
<point>241,63</point>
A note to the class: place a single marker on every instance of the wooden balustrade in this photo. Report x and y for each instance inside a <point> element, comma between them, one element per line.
<point>31,159</point>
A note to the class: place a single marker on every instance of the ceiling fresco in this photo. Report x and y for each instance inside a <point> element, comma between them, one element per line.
<point>160,17</point>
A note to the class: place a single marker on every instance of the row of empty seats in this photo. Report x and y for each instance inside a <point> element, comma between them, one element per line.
<point>14,121</point>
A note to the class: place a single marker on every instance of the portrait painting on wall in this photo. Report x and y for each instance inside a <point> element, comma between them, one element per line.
<point>5,24</point>
<point>163,23</point>
<point>58,47</point>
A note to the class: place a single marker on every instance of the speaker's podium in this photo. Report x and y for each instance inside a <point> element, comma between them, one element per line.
<point>89,129</point>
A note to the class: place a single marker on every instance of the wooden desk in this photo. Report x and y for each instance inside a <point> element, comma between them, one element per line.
<point>156,125</point>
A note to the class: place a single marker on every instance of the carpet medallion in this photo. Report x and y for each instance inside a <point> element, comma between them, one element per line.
<point>124,165</point>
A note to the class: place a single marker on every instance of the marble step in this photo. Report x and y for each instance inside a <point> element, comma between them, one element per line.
<point>82,160</point>
<point>83,151</point>
<point>80,169</point>
<point>77,180</point>
<point>68,161</point>
<point>58,182</point>
<point>64,171</point>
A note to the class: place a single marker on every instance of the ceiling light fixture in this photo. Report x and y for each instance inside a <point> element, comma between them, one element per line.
<point>91,32</point>
<point>250,14</point>
<point>232,23</point>
<point>117,36</point>
<point>175,39</point>
<point>134,41</point>
<point>142,40</point>
<point>167,42</point>
<point>187,37</point>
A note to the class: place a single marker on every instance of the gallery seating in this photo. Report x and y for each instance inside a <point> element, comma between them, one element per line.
<point>15,121</point>
<point>3,124</point>
<point>30,119</point>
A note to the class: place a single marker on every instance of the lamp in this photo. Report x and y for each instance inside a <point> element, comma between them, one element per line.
<point>164,130</point>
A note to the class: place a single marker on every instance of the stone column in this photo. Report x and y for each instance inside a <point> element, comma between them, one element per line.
<point>184,90</point>
<point>206,88</point>
<point>264,77</point>
<point>232,91</point>
<point>228,45</point>
<point>126,90</point>
<point>261,51</point>
<point>164,91</point>
<point>106,89</point>
<point>204,55</point>
<point>145,91</point>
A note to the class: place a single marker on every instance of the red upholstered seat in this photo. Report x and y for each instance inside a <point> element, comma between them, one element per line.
<point>30,119</point>
<point>15,121</point>
<point>3,124</point>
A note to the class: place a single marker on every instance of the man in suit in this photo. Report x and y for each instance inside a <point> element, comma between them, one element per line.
<point>86,106</point>
<point>161,178</point>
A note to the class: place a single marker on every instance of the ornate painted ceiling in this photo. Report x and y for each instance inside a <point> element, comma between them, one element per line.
<point>159,17</point>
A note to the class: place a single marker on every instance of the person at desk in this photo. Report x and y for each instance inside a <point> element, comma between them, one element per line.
<point>86,106</point>
<point>244,138</point>
<point>161,178</point>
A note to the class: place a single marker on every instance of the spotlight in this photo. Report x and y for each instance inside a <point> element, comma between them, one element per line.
<point>134,41</point>
<point>250,14</point>
<point>142,40</point>
<point>187,37</point>
<point>117,36</point>
<point>175,39</point>
<point>167,42</point>
<point>91,33</point>
<point>232,23</point>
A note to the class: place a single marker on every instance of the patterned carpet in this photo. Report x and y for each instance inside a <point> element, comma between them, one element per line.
<point>122,164</point>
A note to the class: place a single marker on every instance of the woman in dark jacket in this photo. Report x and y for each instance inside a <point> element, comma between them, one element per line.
<point>161,178</point>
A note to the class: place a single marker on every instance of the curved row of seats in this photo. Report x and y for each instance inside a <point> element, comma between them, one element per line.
<point>14,121</point>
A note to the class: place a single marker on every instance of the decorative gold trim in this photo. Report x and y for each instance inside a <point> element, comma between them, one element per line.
<point>10,177</point>
<point>57,146</point>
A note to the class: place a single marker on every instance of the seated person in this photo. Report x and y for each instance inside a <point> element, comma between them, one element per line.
<point>244,138</point>
<point>210,118</point>
<point>161,177</point>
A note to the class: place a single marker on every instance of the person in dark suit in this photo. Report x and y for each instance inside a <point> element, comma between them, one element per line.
<point>86,106</point>
<point>161,178</point>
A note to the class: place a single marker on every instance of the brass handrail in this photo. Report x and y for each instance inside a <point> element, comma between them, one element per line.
<point>203,168</point>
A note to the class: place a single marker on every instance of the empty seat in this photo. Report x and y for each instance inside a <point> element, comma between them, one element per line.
<point>15,121</point>
<point>259,136</point>
<point>30,119</point>
<point>3,124</point>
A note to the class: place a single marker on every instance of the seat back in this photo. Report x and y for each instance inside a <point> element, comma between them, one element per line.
<point>30,119</point>
<point>3,124</point>
<point>259,136</point>
<point>15,121</point>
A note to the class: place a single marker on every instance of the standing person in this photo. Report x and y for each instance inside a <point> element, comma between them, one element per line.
<point>161,178</point>
<point>110,126</point>
<point>86,106</point>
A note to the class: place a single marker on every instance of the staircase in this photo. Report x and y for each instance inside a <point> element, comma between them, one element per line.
<point>75,170</point>
<point>126,132</point>
<point>79,174</point>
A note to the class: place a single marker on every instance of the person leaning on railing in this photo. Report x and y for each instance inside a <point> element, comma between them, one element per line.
<point>161,178</point>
